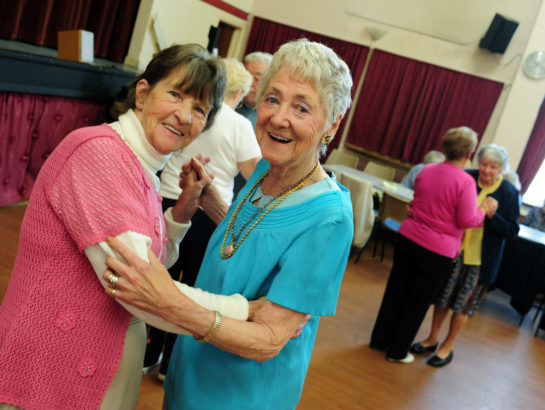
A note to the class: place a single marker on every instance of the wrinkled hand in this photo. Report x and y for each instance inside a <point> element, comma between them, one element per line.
<point>255,305</point>
<point>301,326</point>
<point>489,206</point>
<point>147,286</point>
<point>259,305</point>
<point>194,178</point>
<point>409,209</point>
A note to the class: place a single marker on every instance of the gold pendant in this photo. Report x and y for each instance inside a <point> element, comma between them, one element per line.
<point>229,250</point>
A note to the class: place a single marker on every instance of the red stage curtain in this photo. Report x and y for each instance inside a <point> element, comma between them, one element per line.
<point>406,106</point>
<point>268,36</point>
<point>31,127</point>
<point>38,21</point>
<point>534,153</point>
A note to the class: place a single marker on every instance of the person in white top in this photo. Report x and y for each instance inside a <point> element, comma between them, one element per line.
<point>230,143</point>
<point>231,146</point>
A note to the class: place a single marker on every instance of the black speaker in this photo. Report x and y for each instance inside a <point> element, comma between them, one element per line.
<point>213,38</point>
<point>499,34</point>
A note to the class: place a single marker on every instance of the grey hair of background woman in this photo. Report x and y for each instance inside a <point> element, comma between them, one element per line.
<point>495,153</point>
<point>318,64</point>
<point>201,75</point>
<point>433,157</point>
<point>238,78</point>
<point>259,56</point>
<point>513,177</point>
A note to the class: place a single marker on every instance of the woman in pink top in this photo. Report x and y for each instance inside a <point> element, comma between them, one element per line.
<point>64,343</point>
<point>444,205</point>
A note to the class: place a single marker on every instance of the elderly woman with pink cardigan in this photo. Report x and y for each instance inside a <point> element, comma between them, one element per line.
<point>444,205</point>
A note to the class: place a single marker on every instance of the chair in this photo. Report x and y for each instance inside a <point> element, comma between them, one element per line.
<point>361,195</point>
<point>341,157</point>
<point>381,171</point>
<point>392,212</point>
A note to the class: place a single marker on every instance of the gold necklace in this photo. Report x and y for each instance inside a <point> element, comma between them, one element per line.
<point>229,250</point>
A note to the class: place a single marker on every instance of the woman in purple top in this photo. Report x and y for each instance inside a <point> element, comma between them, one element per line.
<point>445,203</point>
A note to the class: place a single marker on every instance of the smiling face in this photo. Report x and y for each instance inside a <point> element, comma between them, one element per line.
<point>171,118</point>
<point>290,123</point>
<point>489,171</point>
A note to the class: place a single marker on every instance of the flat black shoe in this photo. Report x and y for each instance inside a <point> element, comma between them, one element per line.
<point>438,362</point>
<point>417,348</point>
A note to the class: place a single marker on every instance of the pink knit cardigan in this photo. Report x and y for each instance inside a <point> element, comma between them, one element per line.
<point>62,337</point>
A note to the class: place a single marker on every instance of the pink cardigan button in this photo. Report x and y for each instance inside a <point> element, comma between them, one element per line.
<point>66,321</point>
<point>87,367</point>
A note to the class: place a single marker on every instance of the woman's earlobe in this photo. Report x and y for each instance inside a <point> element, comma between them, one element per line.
<point>140,92</point>
<point>334,127</point>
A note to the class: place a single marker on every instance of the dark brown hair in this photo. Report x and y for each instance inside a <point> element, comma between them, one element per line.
<point>203,77</point>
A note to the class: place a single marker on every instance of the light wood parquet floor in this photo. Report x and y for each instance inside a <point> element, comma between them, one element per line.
<point>496,365</point>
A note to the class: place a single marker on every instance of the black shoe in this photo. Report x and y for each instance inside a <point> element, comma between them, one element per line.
<point>417,348</point>
<point>438,362</point>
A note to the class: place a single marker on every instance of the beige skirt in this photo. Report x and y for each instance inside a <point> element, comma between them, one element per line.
<point>123,392</point>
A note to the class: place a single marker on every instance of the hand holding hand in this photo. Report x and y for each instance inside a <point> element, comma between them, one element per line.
<point>489,206</point>
<point>193,180</point>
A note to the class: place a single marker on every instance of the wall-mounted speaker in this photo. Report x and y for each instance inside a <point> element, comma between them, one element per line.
<point>499,34</point>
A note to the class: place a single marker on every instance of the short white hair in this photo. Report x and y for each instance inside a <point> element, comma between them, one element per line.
<point>319,65</point>
<point>433,157</point>
<point>513,177</point>
<point>259,56</point>
<point>495,153</point>
<point>238,78</point>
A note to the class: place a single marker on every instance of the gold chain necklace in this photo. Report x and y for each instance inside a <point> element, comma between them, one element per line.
<point>229,250</point>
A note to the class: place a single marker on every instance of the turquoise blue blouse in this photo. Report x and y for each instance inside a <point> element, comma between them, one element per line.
<point>296,256</point>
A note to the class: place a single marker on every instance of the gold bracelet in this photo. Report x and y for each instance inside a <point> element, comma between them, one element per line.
<point>212,331</point>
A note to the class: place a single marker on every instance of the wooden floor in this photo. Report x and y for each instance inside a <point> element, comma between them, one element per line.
<point>496,365</point>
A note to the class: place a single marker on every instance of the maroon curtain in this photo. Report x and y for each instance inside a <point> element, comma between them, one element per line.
<point>534,153</point>
<point>406,106</point>
<point>38,21</point>
<point>268,36</point>
<point>31,127</point>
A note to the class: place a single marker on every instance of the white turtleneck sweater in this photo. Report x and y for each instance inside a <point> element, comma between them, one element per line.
<point>234,306</point>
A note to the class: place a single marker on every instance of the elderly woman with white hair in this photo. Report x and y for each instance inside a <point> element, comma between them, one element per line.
<point>286,237</point>
<point>480,256</point>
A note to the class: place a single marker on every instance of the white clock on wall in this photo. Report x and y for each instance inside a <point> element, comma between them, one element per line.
<point>534,65</point>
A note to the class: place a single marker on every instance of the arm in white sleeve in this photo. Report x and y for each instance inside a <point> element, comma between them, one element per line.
<point>234,306</point>
<point>175,232</point>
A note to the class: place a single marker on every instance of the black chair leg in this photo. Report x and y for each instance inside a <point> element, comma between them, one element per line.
<point>360,252</point>
<point>521,320</point>
<point>376,242</point>
<point>539,309</point>
<point>383,245</point>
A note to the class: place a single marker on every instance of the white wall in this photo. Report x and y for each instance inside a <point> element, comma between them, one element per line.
<point>441,32</point>
<point>181,21</point>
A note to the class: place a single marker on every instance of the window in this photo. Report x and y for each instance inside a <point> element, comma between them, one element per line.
<point>535,195</point>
